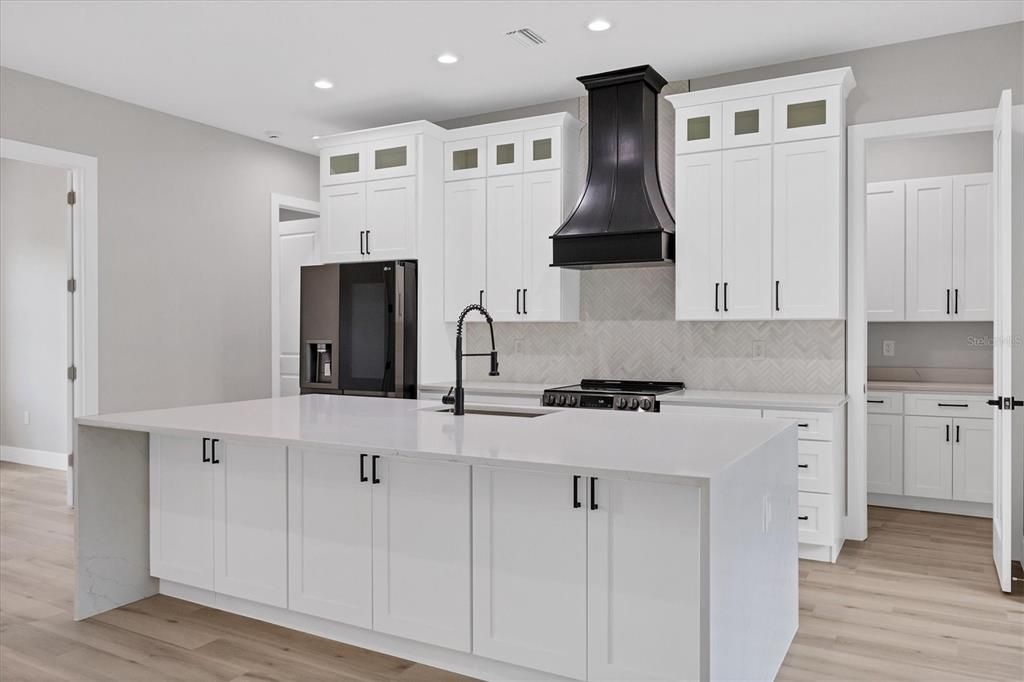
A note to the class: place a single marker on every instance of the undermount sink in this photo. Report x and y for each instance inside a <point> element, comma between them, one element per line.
<point>495,412</point>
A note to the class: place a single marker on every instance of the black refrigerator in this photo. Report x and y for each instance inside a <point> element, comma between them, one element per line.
<point>358,329</point>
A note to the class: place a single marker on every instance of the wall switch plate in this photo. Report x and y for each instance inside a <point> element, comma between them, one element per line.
<point>759,350</point>
<point>888,348</point>
<point>517,346</point>
<point>27,418</point>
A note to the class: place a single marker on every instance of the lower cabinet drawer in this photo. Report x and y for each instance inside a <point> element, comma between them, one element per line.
<point>810,425</point>
<point>815,518</point>
<point>947,405</point>
<point>885,402</point>
<point>712,410</point>
<point>814,462</point>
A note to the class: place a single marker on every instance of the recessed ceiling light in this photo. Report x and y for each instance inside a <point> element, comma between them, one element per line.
<point>447,58</point>
<point>316,137</point>
<point>599,25</point>
<point>323,84</point>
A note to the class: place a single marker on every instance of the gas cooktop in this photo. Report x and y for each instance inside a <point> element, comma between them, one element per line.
<point>611,394</point>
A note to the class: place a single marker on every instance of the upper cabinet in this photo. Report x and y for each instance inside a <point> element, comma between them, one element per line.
<point>465,159</point>
<point>886,208</point>
<point>375,188</point>
<point>760,199</point>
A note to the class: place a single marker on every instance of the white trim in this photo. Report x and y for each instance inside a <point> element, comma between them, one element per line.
<point>420,127</point>
<point>36,458</point>
<point>857,139</point>
<point>277,202</point>
<point>927,504</point>
<point>561,119</point>
<point>85,216</point>
<point>819,79</point>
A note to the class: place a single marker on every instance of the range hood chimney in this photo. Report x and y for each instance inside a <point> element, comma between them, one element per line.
<point>622,218</point>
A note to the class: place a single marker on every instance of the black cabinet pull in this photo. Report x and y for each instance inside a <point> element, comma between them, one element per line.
<point>802,466</point>
<point>947,301</point>
<point>957,433</point>
<point>362,469</point>
<point>952,405</point>
<point>725,297</point>
<point>593,492</point>
<point>956,301</point>
<point>524,301</point>
<point>876,402</point>
<point>373,469</point>
<point>947,433</point>
<point>481,297</point>
<point>776,295</point>
<point>995,402</point>
<point>716,296</point>
<point>576,492</point>
<point>803,426</point>
<point>362,251</point>
<point>367,242</point>
<point>517,301</point>
<point>802,518</point>
<point>213,450</point>
<point>205,441</point>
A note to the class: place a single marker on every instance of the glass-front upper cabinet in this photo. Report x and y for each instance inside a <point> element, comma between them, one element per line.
<point>807,114</point>
<point>505,154</point>
<point>542,149</point>
<point>746,122</point>
<point>699,128</point>
<point>344,163</point>
<point>465,159</point>
<point>391,158</point>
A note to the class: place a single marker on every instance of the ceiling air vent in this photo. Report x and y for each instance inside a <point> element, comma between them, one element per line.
<point>526,37</point>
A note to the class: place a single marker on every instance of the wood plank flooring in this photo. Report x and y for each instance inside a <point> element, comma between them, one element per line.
<point>917,601</point>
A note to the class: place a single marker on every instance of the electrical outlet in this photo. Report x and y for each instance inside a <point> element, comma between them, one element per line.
<point>889,348</point>
<point>517,346</point>
<point>27,418</point>
<point>759,350</point>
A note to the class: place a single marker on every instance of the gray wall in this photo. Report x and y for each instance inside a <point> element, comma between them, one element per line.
<point>184,241</point>
<point>931,344</point>
<point>924,157</point>
<point>33,307</point>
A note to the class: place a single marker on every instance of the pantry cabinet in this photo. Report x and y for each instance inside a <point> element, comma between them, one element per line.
<point>972,247</point>
<point>930,249</point>
<point>885,221</point>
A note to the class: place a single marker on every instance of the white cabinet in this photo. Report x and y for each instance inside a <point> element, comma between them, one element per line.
<point>465,245</point>
<point>807,114</point>
<point>699,236</point>
<point>807,230</point>
<point>747,233</point>
<point>929,249</point>
<point>884,222</point>
<point>330,557</point>
<point>542,149</point>
<point>343,163</point>
<point>973,457</point>
<point>530,569</point>
<point>505,246</point>
<point>421,550</point>
<point>390,219</point>
<point>549,294</point>
<point>972,247</point>
<point>505,153</point>
<point>927,457</point>
<point>344,222</point>
<point>392,158</point>
<point>885,454</point>
<point>465,159</point>
<point>746,122</point>
<point>699,128</point>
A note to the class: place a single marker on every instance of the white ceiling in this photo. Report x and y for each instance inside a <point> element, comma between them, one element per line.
<point>249,66</point>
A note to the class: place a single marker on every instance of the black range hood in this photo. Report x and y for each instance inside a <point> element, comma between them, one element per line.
<point>622,218</point>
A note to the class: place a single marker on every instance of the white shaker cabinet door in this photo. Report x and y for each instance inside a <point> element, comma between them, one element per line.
<point>807,230</point>
<point>972,247</point>
<point>542,215</point>
<point>330,552</point>
<point>530,569</point>
<point>465,245</point>
<point>421,533</point>
<point>886,239</point>
<point>251,521</point>
<point>343,224</point>
<point>505,247</point>
<point>747,233</point>
<point>181,510</point>
<point>391,219</point>
<point>973,457</point>
<point>928,457</point>
<point>929,249</point>
<point>699,236</point>
<point>885,453</point>
<point>644,581</point>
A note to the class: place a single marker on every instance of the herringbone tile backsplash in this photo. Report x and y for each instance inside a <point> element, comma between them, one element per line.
<point>627,330</point>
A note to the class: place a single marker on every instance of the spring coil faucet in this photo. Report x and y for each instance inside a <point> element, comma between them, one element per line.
<point>460,393</point>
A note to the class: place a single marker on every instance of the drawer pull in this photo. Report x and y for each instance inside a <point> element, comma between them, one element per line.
<point>802,518</point>
<point>953,405</point>
<point>803,426</point>
<point>802,466</point>
<point>876,402</point>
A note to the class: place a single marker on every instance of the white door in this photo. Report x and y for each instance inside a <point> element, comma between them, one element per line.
<point>928,457</point>
<point>421,529</point>
<point>807,230</point>
<point>972,247</point>
<point>885,454</point>
<point>699,236</point>
<point>972,460</point>
<point>542,215</point>
<point>330,550</point>
<point>181,510</point>
<point>250,514</point>
<point>296,246</point>
<point>747,233</point>
<point>930,249</point>
<point>886,241</point>
<point>530,569</point>
<point>643,580</point>
<point>465,245</point>
<point>1003,328</point>
<point>343,223</point>
<point>390,219</point>
<point>505,247</point>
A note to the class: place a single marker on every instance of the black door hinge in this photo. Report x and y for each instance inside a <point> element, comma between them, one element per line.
<point>72,285</point>
<point>72,197</point>
<point>72,373</point>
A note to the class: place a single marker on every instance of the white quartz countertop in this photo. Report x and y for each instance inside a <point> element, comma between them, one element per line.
<point>646,445</point>
<point>690,396</point>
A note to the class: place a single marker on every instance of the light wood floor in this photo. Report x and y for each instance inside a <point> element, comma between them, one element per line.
<point>918,601</point>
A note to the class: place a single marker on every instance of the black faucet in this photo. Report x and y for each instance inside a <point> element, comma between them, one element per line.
<point>460,393</point>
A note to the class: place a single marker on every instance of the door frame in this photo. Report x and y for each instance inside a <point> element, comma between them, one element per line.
<point>857,138</point>
<point>277,202</point>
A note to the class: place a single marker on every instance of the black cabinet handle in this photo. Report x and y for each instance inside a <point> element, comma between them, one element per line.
<point>802,466</point>
<point>716,296</point>
<point>725,297</point>
<point>876,402</point>
<point>213,450</point>
<point>362,469</point>
<point>947,433</point>
<point>957,433</point>
<point>373,469</point>
<point>776,295</point>
<point>481,297</point>
<point>593,492</point>
<point>517,301</point>
<point>362,251</point>
<point>947,301</point>
<point>367,242</point>
<point>802,518</point>
<point>524,301</point>
<point>956,301</point>
<point>205,441</point>
<point>576,492</point>
<point>803,426</point>
<point>994,402</point>
<point>952,405</point>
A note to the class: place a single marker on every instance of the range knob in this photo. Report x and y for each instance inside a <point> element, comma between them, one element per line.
<point>633,403</point>
<point>549,399</point>
<point>620,403</point>
<point>561,399</point>
<point>573,400</point>
<point>645,404</point>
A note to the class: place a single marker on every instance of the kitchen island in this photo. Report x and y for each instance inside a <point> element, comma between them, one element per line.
<point>521,544</point>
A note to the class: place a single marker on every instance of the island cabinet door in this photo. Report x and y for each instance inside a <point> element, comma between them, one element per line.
<point>250,515</point>
<point>330,558</point>
<point>421,574</point>
<point>181,510</point>
<point>530,569</point>
<point>644,581</point>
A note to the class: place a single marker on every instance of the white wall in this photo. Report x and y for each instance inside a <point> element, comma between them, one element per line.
<point>33,307</point>
<point>926,157</point>
<point>958,345</point>
<point>184,241</point>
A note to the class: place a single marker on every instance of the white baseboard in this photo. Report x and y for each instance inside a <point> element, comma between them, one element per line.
<point>36,458</point>
<point>981,509</point>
